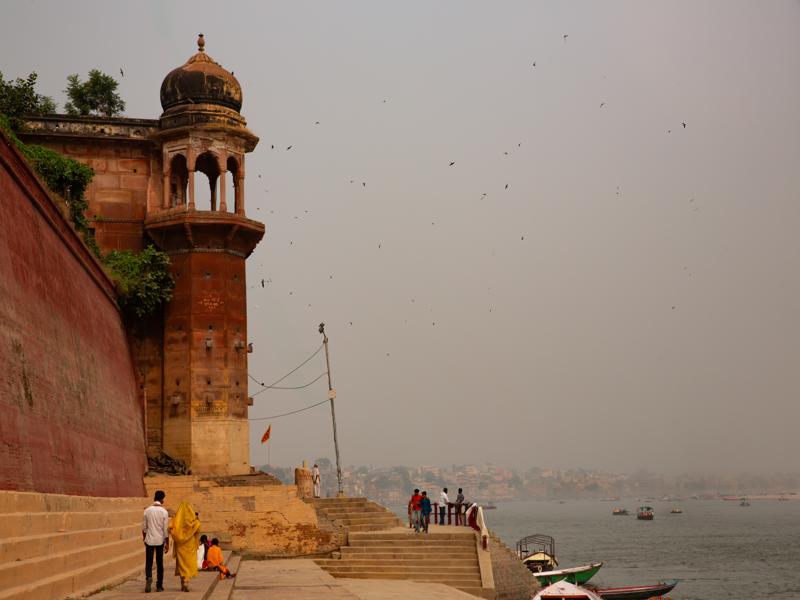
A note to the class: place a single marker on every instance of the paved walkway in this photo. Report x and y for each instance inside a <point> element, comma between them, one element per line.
<point>288,579</point>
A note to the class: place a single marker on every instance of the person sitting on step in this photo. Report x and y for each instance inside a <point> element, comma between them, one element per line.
<point>215,560</point>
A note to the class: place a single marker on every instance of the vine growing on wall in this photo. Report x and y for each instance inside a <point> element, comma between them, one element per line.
<point>143,280</point>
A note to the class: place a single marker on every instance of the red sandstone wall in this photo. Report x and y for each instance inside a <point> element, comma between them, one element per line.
<point>71,420</point>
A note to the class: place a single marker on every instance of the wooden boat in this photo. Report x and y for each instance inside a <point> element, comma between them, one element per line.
<point>538,552</point>
<point>744,502</point>
<point>576,575</point>
<point>620,512</point>
<point>563,590</point>
<point>645,513</point>
<point>636,592</point>
<point>676,511</point>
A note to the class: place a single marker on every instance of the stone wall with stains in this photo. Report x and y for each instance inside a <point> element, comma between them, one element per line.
<point>72,418</point>
<point>267,520</point>
<point>512,579</point>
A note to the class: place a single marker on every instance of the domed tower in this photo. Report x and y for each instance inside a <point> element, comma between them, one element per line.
<point>204,377</point>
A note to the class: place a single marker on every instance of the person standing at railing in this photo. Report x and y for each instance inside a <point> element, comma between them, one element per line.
<point>444,501</point>
<point>459,506</point>
<point>425,505</point>
<point>415,506</point>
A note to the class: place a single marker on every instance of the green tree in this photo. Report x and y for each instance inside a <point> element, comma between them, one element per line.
<point>143,280</point>
<point>95,96</point>
<point>19,98</point>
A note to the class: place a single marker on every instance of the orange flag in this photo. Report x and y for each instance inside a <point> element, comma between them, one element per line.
<point>267,433</point>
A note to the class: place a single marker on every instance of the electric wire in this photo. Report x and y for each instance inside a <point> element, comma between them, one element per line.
<point>297,368</point>
<point>291,412</point>
<point>297,387</point>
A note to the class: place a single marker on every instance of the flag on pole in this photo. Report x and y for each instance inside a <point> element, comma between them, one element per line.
<point>267,433</point>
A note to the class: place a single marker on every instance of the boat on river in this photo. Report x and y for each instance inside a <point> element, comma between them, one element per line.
<point>576,575</point>
<point>676,511</point>
<point>538,552</point>
<point>636,592</point>
<point>564,589</point>
<point>620,512</point>
<point>645,513</point>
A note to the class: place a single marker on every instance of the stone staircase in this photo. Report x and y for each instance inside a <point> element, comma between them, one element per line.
<point>354,514</point>
<point>54,546</point>
<point>447,555</point>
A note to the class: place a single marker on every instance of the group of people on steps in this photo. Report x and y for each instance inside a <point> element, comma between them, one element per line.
<point>193,552</point>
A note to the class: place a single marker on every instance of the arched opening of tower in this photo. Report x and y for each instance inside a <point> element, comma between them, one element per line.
<point>232,184</point>
<point>206,189</point>
<point>178,180</point>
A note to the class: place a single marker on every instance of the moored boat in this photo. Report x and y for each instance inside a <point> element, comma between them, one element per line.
<point>538,552</point>
<point>645,513</point>
<point>744,502</point>
<point>576,575</point>
<point>620,512</point>
<point>636,592</point>
<point>564,589</point>
<point>676,511</point>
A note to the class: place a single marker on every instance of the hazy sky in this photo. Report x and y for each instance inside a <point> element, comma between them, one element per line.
<point>649,317</point>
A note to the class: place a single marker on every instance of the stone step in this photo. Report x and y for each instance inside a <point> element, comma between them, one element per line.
<point>403,559</point>
<point>77,581</point>
<point>26,547</point>
<point>391,553</point>
<point>224,588</point>
<point>34,502</point>
<point>28,571</point>
<point>437,535</point>
<point>337,503</point>
<point>454,581</point>
<point>405,566</point>
<point>413,542</point>
<point>366,510</point>
<point>21,524</point>
<point>360,520</point>
<point>366,528</point>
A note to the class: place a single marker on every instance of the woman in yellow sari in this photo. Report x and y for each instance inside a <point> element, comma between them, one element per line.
<point>185,536</point>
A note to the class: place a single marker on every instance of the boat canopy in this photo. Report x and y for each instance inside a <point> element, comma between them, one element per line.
<point>565,590</point>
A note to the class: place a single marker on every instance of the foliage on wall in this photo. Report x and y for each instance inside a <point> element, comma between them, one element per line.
<point>143,280</point>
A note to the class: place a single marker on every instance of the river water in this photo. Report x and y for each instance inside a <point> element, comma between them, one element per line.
<point>717,549</point>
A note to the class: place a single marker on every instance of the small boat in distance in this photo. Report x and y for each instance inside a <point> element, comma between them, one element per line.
<point>675,511</point>
<point>489,506</point>
<point>576,575</point>
<point>564,589</point>
<point>744,502</point>
<point>620,512</point>
<point>636,592</point>
<point>645,513</point>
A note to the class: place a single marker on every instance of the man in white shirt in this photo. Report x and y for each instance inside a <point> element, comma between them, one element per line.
<point>315,479</point>
<point>443,502</point>
<point>155,534</point>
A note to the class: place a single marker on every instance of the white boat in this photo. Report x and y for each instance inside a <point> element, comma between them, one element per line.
<point>563,590</point>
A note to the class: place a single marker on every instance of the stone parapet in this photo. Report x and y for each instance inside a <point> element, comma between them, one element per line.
<point>260,520</point>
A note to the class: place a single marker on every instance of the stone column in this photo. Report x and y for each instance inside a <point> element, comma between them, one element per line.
<point>223,206</point>
<point>240,195</point>
<point>165,192</point>
<point>191,190</point>
<point>302,479</point>
<point>212,184</point>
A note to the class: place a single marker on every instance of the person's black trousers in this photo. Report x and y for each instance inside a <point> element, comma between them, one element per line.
<point>148,563</point>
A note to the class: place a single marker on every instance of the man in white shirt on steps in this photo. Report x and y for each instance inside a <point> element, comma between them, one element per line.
<point>155,534</point>
<point>443,502</point>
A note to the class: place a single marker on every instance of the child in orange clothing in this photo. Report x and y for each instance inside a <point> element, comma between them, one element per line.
<point>215,560</point>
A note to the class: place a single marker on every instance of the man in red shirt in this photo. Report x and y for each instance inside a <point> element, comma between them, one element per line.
<point>415,506</point>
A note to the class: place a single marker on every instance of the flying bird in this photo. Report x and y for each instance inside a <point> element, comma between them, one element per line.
<point>684,124</point>
<point>452,163</point>
<point>121,74</point>
<point>289,148</point>
<point>602,104</point>
<point>565,36</point>
<point>263,283</point>
<point>316,123</point>
<point>506,186</point>
<point>534,63</point>
<point>364,184</point>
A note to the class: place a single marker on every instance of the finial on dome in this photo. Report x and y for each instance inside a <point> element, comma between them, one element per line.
<point>201,43</point>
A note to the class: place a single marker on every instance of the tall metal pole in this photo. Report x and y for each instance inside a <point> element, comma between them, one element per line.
<point>332,397</point>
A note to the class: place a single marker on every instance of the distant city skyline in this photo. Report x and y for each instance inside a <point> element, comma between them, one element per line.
<point>520,251</point>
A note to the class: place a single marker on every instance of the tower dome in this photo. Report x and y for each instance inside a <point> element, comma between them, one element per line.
<point>201,81</point>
